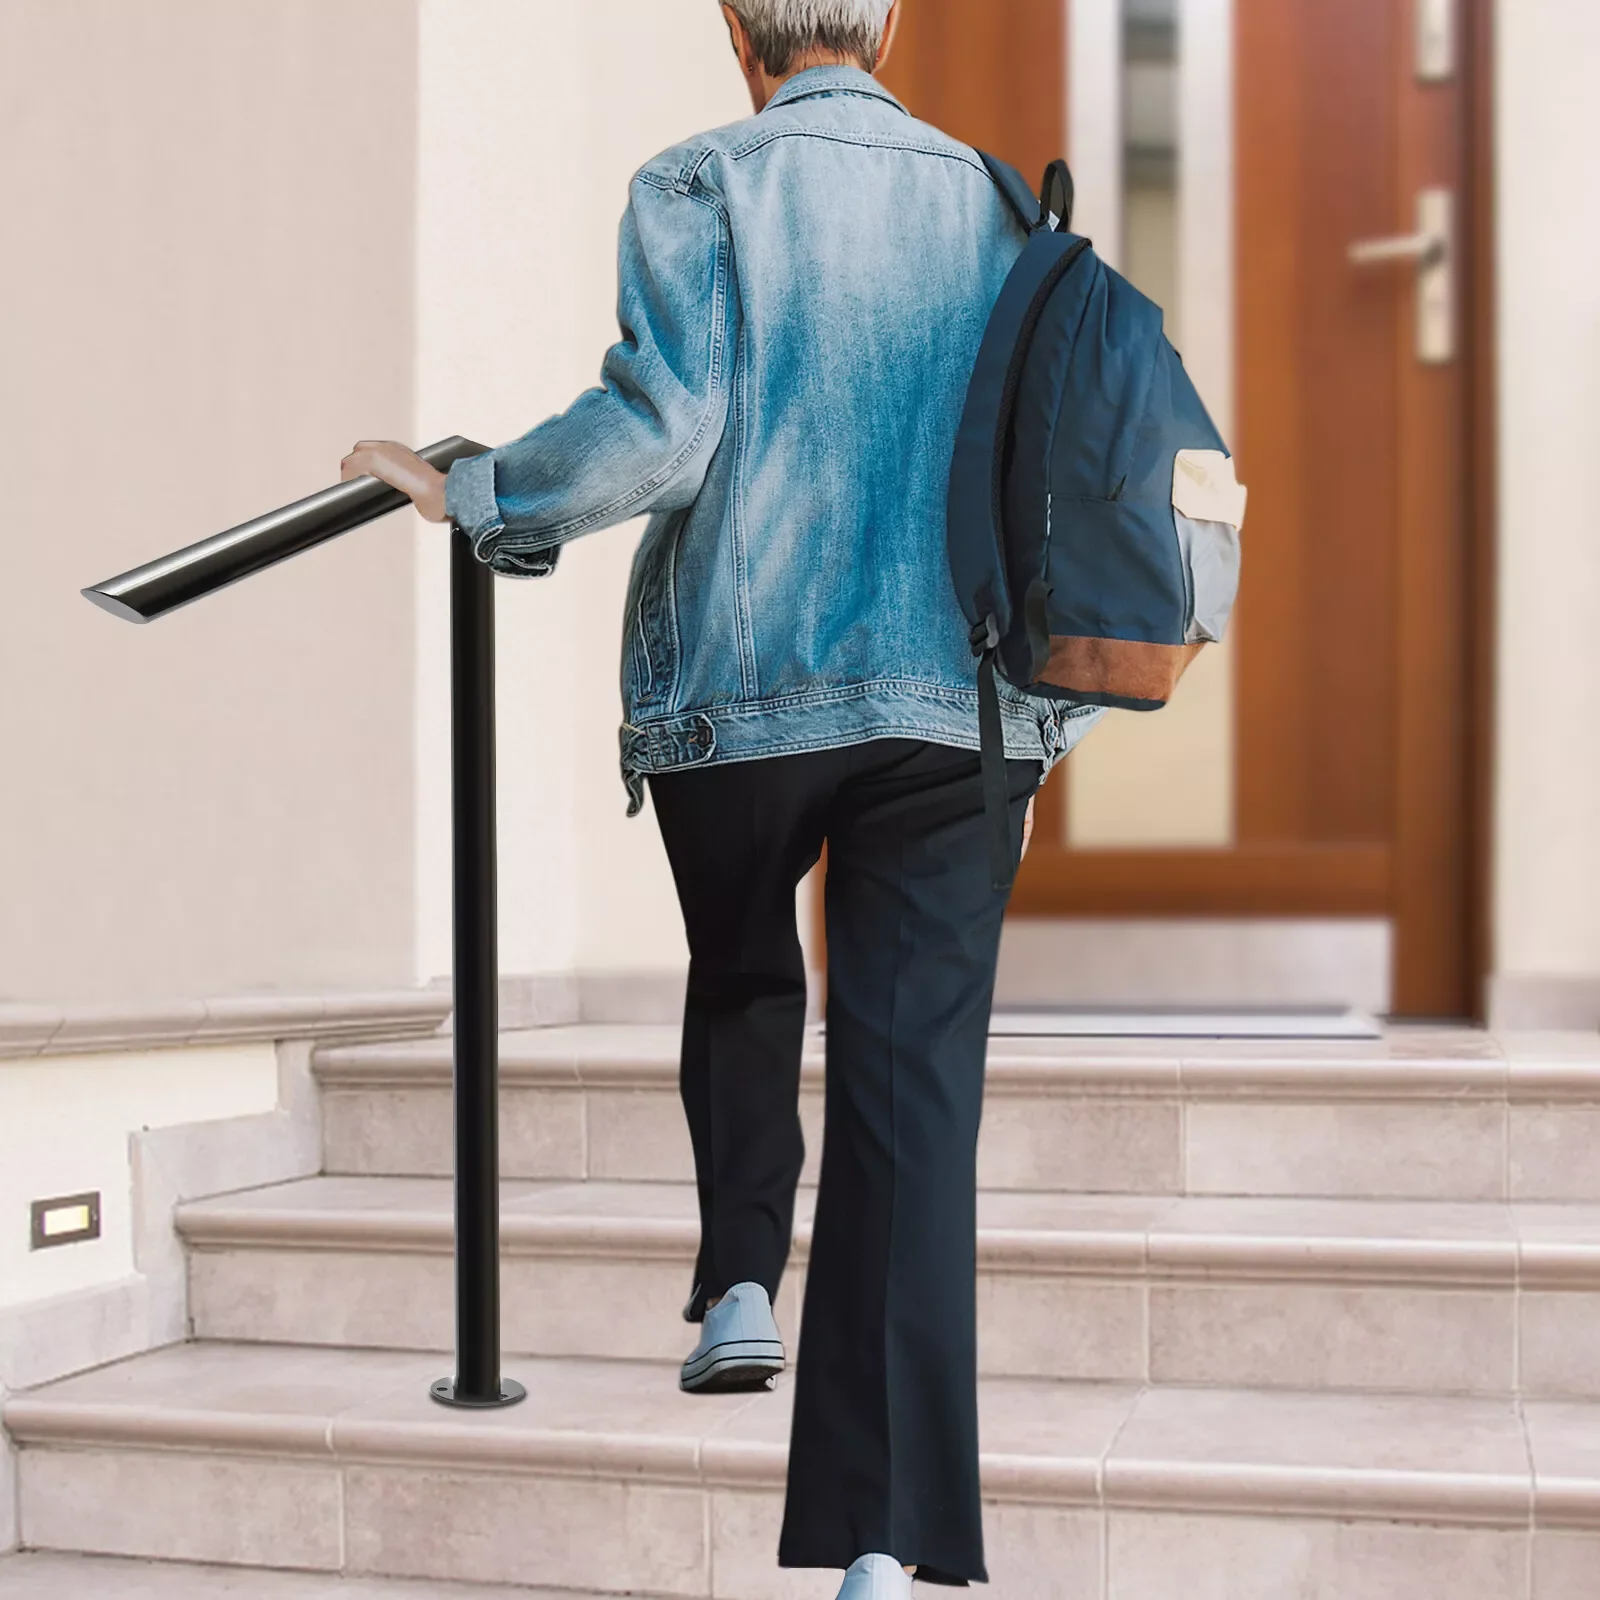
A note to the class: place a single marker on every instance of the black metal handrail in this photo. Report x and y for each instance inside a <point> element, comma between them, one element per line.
<point>158,587</point>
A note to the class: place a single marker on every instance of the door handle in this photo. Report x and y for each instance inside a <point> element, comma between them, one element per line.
<point>1431,249</point>
<point>1426,248</point>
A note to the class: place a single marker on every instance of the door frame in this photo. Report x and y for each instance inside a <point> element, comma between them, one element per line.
<point>1480,326</point>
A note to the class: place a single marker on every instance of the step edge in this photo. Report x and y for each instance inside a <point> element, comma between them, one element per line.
<point>34,1421</point>
<point>73,1564</point>
<point>1157,1255</point>
<point>1112,1483</point>
<point>1477,1499</point>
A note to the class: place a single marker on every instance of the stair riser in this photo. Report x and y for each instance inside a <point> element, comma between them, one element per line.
<point>712,1542</point>
<point>369,1520</point>
<point>1287,1333</point>
<point>1474,1149</point>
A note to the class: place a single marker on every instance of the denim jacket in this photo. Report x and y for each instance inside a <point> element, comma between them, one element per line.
<point>801,299</point>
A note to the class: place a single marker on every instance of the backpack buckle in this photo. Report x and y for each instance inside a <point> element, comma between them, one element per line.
<point>985,636</point>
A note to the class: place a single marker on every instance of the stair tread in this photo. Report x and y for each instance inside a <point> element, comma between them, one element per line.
<point>537,1209</point>
<point>1407,1060</point>
<point>1454,1456</point>
<point>43,1575</point>
<point>600,1040</point>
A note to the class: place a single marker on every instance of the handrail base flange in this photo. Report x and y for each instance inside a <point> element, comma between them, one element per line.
<point>444,1391</point>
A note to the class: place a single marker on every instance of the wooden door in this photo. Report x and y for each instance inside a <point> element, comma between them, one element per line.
<point>1357,683</point>
<point>991,74</point>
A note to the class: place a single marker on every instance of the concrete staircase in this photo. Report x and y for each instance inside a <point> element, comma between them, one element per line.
<point>1257,1322</point>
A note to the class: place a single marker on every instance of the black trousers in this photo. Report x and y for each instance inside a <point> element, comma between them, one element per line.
<point>883,1454</point>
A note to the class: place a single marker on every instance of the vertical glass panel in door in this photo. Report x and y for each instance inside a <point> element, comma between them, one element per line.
<point>1165,779</point>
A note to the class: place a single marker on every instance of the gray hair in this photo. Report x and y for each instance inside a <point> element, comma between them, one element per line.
<point>780,30</point>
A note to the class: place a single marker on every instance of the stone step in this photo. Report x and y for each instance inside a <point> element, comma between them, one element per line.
<point>608,1479</point>
<point>1424,1113</point>
<point>1425,1296</point>
<point>43,1575</point>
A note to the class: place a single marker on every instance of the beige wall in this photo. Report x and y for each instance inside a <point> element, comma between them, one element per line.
<point>1547,878</point>
<point>520,197</point>
<point>205,298</point>
<point>263,231</point>
<point>78,1113</point>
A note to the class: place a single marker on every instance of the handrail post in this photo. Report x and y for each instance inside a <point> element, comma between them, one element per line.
<point>478,1381</point>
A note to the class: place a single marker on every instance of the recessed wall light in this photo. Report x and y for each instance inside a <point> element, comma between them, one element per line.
<point>68,1220</point>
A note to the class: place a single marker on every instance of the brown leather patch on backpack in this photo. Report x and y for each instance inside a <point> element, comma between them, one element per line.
<point>1128,668</point>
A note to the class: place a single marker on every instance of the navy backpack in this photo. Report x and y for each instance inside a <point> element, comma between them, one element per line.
<point>1093,514</point>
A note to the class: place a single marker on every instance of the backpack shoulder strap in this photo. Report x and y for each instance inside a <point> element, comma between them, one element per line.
<point>1055,198</point>
<point>1053,201</point>
<point>1015,188</point>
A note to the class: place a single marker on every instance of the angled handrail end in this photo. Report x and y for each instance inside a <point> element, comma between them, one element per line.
<point>144,593</point>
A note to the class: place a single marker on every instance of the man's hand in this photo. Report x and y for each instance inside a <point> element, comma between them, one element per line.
<point>402,469</point>
<point>1027,829</point>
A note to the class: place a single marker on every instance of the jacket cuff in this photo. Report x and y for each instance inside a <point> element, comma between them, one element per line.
<point>469,499</point>
<point>470,503</point>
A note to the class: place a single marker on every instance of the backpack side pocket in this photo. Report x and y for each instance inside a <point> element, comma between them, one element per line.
<point>1208,512</point>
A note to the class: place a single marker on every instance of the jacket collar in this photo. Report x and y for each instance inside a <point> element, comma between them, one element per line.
<point>831,80</point>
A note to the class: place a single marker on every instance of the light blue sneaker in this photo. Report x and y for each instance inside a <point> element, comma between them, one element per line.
<point>876,1577</point>
<point>739,1344</point>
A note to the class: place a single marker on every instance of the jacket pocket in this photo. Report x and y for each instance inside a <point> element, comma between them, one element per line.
<point>1208,512</point>
<point>651,618</point>
<point>644,675</point>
